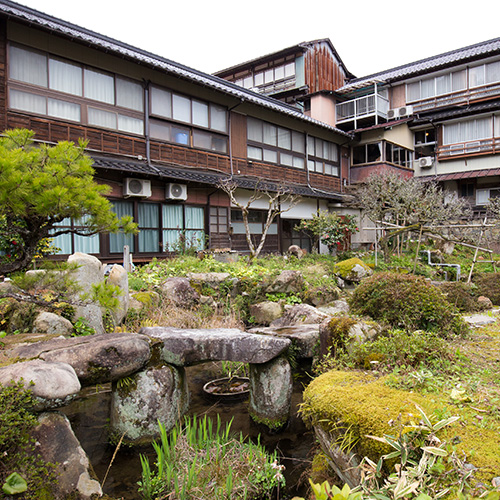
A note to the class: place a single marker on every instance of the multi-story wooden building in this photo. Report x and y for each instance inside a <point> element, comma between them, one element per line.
<point>162,135</point>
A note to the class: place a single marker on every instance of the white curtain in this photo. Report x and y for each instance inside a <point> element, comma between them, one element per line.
<point>87,244</point>
<point>63,109</point>
<point>65,77</point>
<point>99,86</point>
<point>129,124</point>
<point>27,66</point>
<point>148,220</point>
<point>129,94</point>
<point>254,130</point>
<point>118,240</point>
<point>200,113</point>
<point>161,102</point>
<point>181,108</point>
<point>101,118</point>
<point>28,102</point>
<point>270,134</point>
<point>218,118</point>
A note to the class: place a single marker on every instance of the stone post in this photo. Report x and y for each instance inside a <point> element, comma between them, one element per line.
<point>138,402</point>
<point>271,392</point>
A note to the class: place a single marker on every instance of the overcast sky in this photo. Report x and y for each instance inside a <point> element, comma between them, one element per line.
<point>211,35</point>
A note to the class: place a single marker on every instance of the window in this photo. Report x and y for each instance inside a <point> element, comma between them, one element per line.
<point>218,220</point>
<point>323,156</point>
<point>367,153</point>
<point>70,243</point>
<point>256,221</point>
<point>484,74</point>
<point>162,227</point>
<point>289,236</point>
<point>468,130</point>
<point>275,144</point>
<point>74,92</point>
<point>202,115</point>
<point>398,155</point>
<point>435,86</point>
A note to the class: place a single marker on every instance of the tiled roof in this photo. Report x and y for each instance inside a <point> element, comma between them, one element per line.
<point>94,39</point>
<point>455,57</point>
<point>469,174</point>
<point>203,177</point>
<point>472,109</point>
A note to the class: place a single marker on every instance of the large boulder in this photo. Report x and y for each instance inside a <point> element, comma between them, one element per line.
<point>336,307</point>
<point>158,394</point>
<point>88,272</point>
<point>119,277</point>
<point>47,322</point>
<point>300,314</point>
<point>321,295</point>
<point>184,347</point>
<point>56,443</point>
<point>52,384</point>
<point>180,292</point>
<point>353,270</point>
<point>264,313</point>
<point>287,282</point>
<point>95,358</point>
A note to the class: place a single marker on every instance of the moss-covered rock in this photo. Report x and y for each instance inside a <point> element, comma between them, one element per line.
<point>352,269</point>
<point>356,404</point>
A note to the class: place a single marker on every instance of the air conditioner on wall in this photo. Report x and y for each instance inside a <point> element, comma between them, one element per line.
<point>405,110</point>
<point>137,187</point>
<point>176,192</point>
<point>392,114</point>
<point>425,162</point>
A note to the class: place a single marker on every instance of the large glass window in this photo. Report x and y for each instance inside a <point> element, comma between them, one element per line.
<point>275,144</point>
<point>435,86</point>
<point>323,156</point>
<point>70,243</point>
<point>208,116</point>
<point>468,130</point>
<point>110,101</point>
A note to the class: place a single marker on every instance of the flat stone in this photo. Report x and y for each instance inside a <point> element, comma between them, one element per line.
<point>54,384</point>
<point>57,443</point>
<point>95,358</point>
<point>304,337</point>
<point>300,314</point>
<point>212,280</point>
<point>184,347</point>
<point>47,322</point>
<point>478,320</point>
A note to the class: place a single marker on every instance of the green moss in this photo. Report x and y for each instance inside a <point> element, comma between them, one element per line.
<point>336,334</point>
<point>320,469</point>
<point>273,425</point>
<point>344,268</point>
<point>97,373</point>
<point>367,406</point>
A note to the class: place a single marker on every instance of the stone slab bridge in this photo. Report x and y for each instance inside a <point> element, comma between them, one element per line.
<point>147,371</point>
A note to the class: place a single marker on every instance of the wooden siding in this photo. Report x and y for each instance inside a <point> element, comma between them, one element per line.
<point>322,70</point>
<point>239,135</point>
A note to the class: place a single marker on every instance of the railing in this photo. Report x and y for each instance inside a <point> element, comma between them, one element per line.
<point>362,107</point>
<point>459,97</point>
<point>483,146</point>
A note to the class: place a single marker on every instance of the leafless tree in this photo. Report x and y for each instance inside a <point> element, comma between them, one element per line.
<point>278,196</point>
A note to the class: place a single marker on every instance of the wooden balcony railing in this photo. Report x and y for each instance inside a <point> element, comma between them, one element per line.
<point>483,146</point>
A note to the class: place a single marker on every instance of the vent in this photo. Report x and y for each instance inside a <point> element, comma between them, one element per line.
<point>176,192</point>
<point>392,114</point>
<point>425,162</point>
<point>137,187</point>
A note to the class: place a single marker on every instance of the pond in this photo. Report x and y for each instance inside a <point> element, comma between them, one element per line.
<point>89,417</point>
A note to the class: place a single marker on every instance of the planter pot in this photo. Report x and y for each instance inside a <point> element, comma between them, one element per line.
<point>228,387</point>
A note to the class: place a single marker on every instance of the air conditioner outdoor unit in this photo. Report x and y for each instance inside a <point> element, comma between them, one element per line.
<point>176,192</point>
<point>406,111</point>
<point>393,114</point>
<point>425,162</point>
<point>137,187</point>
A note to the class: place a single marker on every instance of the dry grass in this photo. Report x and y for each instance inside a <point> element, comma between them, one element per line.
<point>167,314</point>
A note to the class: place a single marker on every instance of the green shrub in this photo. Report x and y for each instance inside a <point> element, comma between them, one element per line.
<point>408,302</point>
<point>488,284</point>
<point>462,295</point>
<point>17,448</point>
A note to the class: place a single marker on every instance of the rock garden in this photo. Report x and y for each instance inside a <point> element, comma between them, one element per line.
<point>401,390</point>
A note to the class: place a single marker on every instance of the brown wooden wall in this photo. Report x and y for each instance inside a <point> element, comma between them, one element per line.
<point>322,71</point>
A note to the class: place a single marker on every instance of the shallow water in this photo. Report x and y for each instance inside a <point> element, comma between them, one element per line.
<point>89,417</point>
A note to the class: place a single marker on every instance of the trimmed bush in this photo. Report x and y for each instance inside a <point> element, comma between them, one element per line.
<point>488,284</point>
<point>408,302</point>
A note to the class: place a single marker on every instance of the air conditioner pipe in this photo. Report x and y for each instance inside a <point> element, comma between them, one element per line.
<point>456,266</point>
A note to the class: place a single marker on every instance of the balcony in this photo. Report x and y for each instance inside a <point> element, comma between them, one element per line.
<point>362,111</point>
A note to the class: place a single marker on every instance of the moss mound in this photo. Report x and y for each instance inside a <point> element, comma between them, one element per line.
<point>352,269</point>
<point>406,301</point>
<point>363,404</point>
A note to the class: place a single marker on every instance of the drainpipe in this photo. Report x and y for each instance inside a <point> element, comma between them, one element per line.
<point>146,126</point>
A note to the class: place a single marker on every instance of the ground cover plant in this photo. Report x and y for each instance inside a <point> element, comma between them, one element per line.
<point>202,461</point>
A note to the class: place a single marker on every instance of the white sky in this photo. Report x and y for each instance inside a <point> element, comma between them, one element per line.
<point>211,35</point>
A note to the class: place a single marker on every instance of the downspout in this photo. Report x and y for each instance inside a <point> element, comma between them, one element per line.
<point>146,126</point>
